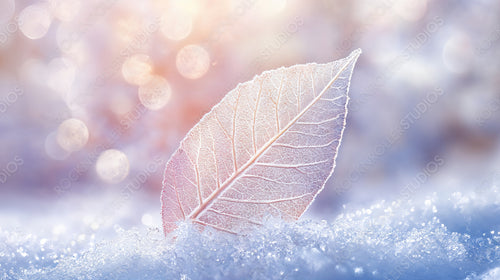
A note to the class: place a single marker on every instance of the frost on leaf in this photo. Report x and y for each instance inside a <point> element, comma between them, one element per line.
<point>266,149</point>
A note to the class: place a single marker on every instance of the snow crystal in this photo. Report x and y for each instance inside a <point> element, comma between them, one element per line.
<point>389,240</point>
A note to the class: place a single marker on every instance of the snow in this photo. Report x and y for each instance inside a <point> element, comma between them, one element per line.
<point>441,236</point>
<point>493,274</point>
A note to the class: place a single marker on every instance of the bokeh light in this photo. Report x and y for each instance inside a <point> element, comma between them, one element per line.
<point>192,61</point>
<point>410,10</point>
<point>176,25</point>
<point>34,21</point>
<point>59,229</point>
<point>65,10</point>
<point>272,7</point>
<point>72,135</point>
<point>189,7</point>
<point>53,149</point>
<point>126,26</point>
<point>61,74</point>
<point>147,220</point>
<point>155,94</point>
<point>112,166</point>
<point>137,69</point>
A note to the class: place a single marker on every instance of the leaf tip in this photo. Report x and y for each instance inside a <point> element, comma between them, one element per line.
<point>355,53</point>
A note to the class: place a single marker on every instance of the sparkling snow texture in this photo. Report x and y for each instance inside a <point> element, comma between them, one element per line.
<point>455,236</point>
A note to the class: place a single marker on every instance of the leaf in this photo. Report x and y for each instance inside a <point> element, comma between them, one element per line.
<point>267,148</point>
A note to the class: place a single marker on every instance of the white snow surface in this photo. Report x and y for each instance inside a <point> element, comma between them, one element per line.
<point>442,236</point>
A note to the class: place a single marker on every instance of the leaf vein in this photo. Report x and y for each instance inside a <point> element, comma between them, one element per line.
<point>268,201</point>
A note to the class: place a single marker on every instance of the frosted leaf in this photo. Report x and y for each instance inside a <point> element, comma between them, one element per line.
<point>266,149</point>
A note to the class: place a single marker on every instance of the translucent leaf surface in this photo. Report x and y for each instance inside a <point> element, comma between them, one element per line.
<point>266,149</point>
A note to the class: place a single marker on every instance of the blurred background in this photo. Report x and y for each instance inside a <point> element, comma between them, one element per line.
<point>95,96</point>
